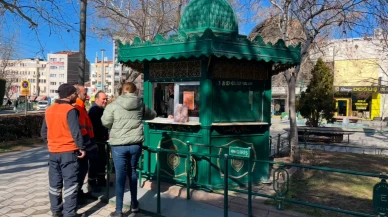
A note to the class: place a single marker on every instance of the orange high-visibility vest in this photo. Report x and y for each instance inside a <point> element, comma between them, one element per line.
<point>58,132</point>
<point>84,121</point>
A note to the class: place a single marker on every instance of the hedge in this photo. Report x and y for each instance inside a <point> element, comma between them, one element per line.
<point>13,127</point>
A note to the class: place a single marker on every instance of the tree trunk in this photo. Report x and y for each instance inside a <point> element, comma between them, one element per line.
<point>82,43</point>
<point>295,156</point>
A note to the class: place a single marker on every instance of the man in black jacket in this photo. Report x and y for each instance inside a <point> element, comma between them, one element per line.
<point>97,171</point>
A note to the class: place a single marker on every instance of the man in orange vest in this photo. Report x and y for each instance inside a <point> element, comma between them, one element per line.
<point>60,130</point>
<point>88,140</point>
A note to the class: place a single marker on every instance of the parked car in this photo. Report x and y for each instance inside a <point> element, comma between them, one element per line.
<point>42,105</point>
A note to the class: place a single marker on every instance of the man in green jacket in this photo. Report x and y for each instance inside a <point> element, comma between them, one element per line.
<point>124,119</point>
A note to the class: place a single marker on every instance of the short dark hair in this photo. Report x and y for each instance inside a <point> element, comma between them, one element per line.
<point>97,96</point>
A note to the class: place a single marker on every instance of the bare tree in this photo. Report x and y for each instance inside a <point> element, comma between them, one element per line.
<point>318,19</point>
<point>50,14</point>
<point>8,54</point>
<point>126,19</point>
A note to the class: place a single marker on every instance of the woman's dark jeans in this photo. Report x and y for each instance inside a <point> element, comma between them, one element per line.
<point>125,158</point>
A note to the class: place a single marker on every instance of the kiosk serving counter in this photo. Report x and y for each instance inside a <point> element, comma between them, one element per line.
<point>222,79</point>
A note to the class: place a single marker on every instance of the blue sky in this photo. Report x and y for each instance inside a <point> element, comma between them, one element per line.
<point>28,45</point>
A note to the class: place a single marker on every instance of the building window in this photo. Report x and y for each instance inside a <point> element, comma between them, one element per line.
<point>61,75</point>
<point>60,83</point>
<point>61,59</point>
<point>61,68</point>
<point>53,83</point>
<point>53,75</point>
<point>53,59</point>
<point>53,67</point>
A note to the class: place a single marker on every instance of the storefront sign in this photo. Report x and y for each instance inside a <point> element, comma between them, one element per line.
<point>361,104</point>
<point>234,83</point>
<point>342,94</point>
<point>359,89</point>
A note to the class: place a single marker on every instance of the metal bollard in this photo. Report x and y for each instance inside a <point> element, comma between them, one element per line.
<point>278,145</point>
<point>158,182</point>
<point>140,169</point>
<point>249,184</point>
<point>108,172</point>
<point>226,176</point>
<point>149,165</point>
<point>188,168</point>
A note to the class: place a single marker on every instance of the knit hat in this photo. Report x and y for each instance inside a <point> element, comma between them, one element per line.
<point>66,90</point>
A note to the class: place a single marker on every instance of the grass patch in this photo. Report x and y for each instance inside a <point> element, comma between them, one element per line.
<point>335,190</point>
<point>20,145</point>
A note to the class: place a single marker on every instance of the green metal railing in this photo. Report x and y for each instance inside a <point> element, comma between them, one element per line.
<point>280,186</point>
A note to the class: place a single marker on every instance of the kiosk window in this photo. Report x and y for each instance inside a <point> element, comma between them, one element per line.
<point>188,95</point>
<point>168,95</point>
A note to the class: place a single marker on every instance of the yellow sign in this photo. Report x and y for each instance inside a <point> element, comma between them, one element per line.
<point>25,88</point>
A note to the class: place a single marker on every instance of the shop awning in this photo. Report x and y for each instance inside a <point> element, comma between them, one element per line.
<point>208,44</point>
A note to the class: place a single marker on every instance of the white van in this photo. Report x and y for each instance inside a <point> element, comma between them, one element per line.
<point>42,105</point>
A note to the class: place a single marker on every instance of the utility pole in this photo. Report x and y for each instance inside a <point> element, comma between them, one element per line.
<point>37,78</point>
<point>102,70</point>
<point>82,43</point>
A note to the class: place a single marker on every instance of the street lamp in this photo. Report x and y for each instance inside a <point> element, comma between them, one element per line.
<point>102,71</point>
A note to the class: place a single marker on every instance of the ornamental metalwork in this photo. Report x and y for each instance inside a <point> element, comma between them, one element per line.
<point>173,160</point>
<point>237,165</point>
<point>240,70</point>
<point>183,69</point>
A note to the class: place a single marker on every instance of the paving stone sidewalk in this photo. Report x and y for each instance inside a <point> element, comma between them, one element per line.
<point>24,187</point>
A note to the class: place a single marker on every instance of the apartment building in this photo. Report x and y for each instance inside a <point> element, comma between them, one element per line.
<point>31,69</point>
<point>62,67</point>
<point>99,81</point>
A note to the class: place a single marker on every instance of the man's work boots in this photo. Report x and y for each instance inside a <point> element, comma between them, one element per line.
<point>57,214</point>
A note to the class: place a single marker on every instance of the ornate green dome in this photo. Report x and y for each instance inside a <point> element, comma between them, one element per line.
<point>218,15</point>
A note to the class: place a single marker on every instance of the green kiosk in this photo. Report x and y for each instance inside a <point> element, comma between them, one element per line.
<point>222,79</point>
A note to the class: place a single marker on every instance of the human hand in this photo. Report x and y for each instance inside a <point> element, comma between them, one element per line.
<point>81,154</point>
<point>171,117</point>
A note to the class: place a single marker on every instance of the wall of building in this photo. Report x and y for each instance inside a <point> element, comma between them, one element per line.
<point>26,69</point>
<point>63,68</point>
<point>360,71</point>
<point>96,77</point>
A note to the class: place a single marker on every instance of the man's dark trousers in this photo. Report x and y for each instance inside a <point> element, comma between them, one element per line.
<point>63,168</point>
<point>97,170</point>
<point>85,165</point>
